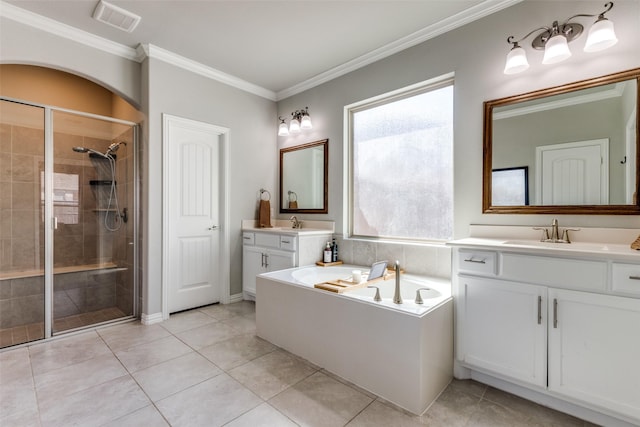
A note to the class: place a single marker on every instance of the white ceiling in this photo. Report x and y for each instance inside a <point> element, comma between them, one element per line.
<point>276,45</point>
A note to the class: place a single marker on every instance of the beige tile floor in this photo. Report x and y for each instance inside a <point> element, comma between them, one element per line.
<point>35,331</point>
<point>206,367</point>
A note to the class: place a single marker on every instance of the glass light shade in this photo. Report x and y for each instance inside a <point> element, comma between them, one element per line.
<point>601,36</point>
<point>283,130</point>
<point>305,122</point>
<point>294,126</point>
<point>516,61</point>
<point>556,50</point>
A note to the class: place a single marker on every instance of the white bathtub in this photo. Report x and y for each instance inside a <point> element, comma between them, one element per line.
<point>401,352</point>
<point>439,289</point>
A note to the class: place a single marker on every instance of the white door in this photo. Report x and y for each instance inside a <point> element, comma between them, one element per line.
<point>193,213</point>
<point>594,349</point>
<point>503,327</point>
<point>574,173</point>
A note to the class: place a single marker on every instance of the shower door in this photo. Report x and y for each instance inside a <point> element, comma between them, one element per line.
<point>22,285</point>
<point>68,222</point>
<point>93,199</point>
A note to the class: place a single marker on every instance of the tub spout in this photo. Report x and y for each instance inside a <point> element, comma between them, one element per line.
<point>397,299</point>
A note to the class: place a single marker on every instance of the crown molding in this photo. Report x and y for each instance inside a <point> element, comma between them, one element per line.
<point>474,13</point>
<point>51,26</point>
<point>169,57</point>
<point>615,92</point>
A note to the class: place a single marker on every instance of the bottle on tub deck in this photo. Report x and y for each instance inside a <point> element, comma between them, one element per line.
<point>334,251</point>
<point>328,253</point>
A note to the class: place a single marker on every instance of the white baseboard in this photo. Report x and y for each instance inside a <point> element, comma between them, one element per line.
<point>150,319</point>
<point>235,298</point>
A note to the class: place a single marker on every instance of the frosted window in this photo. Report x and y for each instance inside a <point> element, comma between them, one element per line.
<point>66,197</point>
<point>402,155</point>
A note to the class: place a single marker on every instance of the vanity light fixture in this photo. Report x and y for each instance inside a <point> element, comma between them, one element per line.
<point>555,41</point>
<point>300,120</point>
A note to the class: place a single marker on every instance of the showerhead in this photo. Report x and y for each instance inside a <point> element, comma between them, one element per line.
<point>88,150</point>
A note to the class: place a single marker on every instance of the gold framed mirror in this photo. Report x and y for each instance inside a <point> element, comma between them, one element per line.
<point>304,186</point>
<point>577,146</point>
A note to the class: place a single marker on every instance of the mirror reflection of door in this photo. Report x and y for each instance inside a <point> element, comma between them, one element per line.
<point>574,173</point>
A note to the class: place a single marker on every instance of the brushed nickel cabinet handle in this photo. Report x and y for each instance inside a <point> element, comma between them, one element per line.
<point>477,261</point>
<point>539,310</point>
<point>634,277</point>
<point>555,313</point>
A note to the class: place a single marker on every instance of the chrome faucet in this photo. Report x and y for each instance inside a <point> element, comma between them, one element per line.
<point>294,222</point>
<point>397,299</point>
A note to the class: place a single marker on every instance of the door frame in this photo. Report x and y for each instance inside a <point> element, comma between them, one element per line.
<point>223,273</point>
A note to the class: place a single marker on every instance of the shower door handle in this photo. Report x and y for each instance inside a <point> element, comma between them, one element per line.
<point>54,222</point>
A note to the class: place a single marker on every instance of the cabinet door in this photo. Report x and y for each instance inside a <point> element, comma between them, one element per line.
<point>252,265</point>
<point>594,349</point>
<point>503,328</point>
<point>280,260</point>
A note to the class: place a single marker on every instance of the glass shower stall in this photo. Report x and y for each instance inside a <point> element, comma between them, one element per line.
<point>68,221</point>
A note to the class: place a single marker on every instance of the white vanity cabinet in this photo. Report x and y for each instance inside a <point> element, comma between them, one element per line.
<point>502,328</point>
<point>266,251</point>
<point>562,325</point>
<point>594,349</point>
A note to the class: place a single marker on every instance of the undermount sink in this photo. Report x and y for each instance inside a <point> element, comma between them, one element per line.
<point>579,246</point>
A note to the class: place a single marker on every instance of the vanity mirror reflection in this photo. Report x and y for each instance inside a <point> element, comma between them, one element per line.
<point>304,174</point>
<point>571,149</point>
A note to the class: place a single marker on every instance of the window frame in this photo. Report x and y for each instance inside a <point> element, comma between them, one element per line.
<point>348,178</point>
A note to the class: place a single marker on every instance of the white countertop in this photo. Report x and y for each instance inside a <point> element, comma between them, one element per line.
<point>597,250</point>
<point>283,226</point>
<point>600,243</point>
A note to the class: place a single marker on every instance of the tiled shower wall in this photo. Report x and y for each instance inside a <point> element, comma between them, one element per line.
<point>77,242</point>
<point>432,260</point>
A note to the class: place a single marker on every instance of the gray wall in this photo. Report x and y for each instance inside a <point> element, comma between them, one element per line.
<point>252,154</point>
<point>476,53</point>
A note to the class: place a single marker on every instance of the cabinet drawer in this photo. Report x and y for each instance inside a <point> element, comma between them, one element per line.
<point>268,240</point>
<point>626,278</point>
<point>478,262</point>
<point>565,273</point>
<point>288,243</point>
<point>248,238</point>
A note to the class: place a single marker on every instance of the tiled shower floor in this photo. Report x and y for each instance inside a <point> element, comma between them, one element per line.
<point>35,331</point>
<point>206,367</point>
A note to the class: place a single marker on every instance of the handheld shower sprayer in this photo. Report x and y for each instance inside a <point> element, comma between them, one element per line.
<point>88,150</point>
<point>112,203</point>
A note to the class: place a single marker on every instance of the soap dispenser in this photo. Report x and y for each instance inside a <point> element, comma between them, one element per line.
<point>328,253</point>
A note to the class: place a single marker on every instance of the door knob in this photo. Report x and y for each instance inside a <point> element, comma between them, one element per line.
<point>213,227</point>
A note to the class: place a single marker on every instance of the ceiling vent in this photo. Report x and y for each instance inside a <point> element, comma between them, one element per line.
<point>116,16</point>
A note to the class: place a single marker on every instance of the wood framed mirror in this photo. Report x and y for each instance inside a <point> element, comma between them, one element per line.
<point>304,172</point>
<point>578,143</point>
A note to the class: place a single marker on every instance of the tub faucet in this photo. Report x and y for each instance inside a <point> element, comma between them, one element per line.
<point>397,299</point>
<point>294,222</point>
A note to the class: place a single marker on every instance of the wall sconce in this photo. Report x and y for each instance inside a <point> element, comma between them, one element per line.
<point>554,41</point>
<point>300,120</point>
